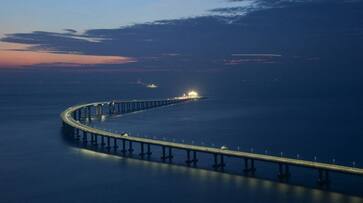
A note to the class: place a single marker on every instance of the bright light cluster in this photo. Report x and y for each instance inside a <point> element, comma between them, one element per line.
<point>193,94</point>
<point>190,95</point>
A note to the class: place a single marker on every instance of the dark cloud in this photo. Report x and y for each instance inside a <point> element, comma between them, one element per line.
<point>310,48</point>
<point>297,30</point>
<point>70,30</point>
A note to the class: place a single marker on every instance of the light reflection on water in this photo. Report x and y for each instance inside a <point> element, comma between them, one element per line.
<point>155,123</point>
<point>239,182</point>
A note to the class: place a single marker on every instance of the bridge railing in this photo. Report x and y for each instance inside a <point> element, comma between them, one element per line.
<point>76,118</point>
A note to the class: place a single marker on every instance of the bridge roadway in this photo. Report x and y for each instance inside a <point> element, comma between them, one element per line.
<point>68,119</point>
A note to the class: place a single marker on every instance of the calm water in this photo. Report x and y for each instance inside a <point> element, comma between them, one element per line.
<point>38,164</point>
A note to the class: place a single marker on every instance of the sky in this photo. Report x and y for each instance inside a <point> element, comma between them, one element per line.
<point>44,15</point>
<point>174,35</point>
<point>22,16</point>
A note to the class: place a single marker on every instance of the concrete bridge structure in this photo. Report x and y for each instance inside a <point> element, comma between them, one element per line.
<point>75,121</point>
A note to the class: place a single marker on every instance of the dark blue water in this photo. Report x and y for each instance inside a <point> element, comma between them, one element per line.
<point>39,165</point>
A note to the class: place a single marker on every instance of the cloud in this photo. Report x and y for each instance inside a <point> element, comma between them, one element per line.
<point>20,58</point>
<point>286,28</point>
<point>70,31</point>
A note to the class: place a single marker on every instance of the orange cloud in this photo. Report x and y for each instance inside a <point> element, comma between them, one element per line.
<point>15,55</point>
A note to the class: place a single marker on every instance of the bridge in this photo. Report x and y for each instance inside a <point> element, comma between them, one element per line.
<point>75,121</point>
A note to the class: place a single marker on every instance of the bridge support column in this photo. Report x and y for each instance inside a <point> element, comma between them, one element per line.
<point>95,140</point>
<point>219,165</point>
<point>126,104</point>
<point>169,156</point>
<point>188,161</point>
<point>92,139</point>
<point>122,108</point>
<point>124,147</point>
<point>77,134</point>
<point>194,160</point>
<point>84,137</point>
<point>249,166</point>
<point>284,172</point>
<point>131,149</point>
<point>323,178</point>
<point>115,144</point>
<point>89,116</point>
<point>163,157</point>
<point>110,108</point>
<point>142,153</point>
<point>79,114</point>
<point>148,150</point>
<point>108,144</point>
<point>103,141</point>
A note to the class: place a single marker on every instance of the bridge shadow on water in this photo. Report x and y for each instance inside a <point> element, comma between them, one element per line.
<point>204,173</point>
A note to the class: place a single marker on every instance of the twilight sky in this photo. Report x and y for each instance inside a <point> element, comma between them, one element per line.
<point>173,35</point>
<point>22,16</point>
<point>27,16</point>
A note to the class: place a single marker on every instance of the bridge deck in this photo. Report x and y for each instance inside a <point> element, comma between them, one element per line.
<point>68,119</point>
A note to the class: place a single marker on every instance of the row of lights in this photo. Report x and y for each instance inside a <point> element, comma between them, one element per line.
<point>238,147</point>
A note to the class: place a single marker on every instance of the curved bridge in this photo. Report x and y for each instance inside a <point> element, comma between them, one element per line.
<point>75,119</point>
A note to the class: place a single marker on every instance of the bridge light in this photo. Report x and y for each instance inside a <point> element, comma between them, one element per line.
<point>193,94</point>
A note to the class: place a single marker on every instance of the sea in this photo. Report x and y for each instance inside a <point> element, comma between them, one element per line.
<point>38,163</point>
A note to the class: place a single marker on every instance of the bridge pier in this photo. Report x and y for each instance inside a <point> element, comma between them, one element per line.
<point>103,141</point>
<point>195,160</point>
<point>249,166</point>
<point>131,149</point>
<point>190,160</point>
<point>111,108</point>
<point>169,156</point>
<point>163,157</point>
<point>84,137</point>
<point>95,142</point>
<point>108,144</point>
<point>122,107</point>
<point>123,147</point>
<point>77,136</point>
<point>99,110</point>
<point>284,172</point>
<point>218,165</point>
<point>79,114</point>
<point>115,144</point>
<point>131,107</point>
<point>142,153</point>
<point>92,139</point>
<point>323,178</point>
<point>148,150</point>
<point>125,107</point>
<point>142,147</point>
<point>89,112</point>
